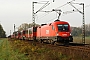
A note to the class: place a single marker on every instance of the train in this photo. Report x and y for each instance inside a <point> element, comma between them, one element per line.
<point>57,31</point>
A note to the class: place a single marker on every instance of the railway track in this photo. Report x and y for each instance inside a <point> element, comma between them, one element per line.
<point>72,46</point>
<point>73,49</point>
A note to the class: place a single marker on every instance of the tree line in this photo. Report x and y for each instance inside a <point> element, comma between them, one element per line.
<point>77,31</point>
<point>2,32</point>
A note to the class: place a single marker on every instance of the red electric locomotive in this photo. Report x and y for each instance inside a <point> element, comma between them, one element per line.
<point>57,31</point>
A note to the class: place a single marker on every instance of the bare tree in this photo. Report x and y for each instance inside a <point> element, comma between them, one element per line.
<point>25,26</point>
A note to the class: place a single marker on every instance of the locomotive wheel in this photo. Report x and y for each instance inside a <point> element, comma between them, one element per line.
<point>49,41</point>
<point>41,41</point>
<point>56,43</point>
<point>52,42</point>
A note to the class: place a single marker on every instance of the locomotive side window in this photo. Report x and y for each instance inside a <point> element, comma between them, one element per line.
<point>63,27</point>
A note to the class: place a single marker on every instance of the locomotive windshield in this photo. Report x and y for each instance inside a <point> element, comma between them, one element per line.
<point>63,27</point>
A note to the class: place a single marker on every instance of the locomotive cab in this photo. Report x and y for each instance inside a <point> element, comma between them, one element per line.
<point>63,32</point>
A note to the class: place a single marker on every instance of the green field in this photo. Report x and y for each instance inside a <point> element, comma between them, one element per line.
<point>7,53</point>
<point>79,40</point>
<point>21,50</point>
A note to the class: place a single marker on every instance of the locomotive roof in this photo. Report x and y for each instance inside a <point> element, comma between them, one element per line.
<point>55,22</point>
<point>59,22</point>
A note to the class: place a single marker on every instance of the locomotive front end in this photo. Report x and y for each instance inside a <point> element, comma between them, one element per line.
<point>63,32</point>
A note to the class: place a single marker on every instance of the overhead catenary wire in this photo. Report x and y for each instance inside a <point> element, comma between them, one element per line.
<point>44,15</point>
<point>72,11</point>
<point>62,13</point>
<point>46,4</point>
<point>40,10</point>
<point>64,4</point>
<point>38,19</point>
<point>52,19</point>
<point>52,11</point>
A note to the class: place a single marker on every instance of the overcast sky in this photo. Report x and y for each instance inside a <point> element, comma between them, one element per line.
<point>20,11</point>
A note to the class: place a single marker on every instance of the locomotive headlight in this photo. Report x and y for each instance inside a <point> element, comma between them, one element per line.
<point>70,34</point>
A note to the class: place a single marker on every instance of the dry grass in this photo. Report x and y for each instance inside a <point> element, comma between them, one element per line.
<point>37,51</point>
<point>34,52</point>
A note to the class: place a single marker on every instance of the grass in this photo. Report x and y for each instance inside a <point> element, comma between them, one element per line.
<point>34,52</point>
<point>21,50</point>
<point>7,53</point>
<point>79,40</point>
